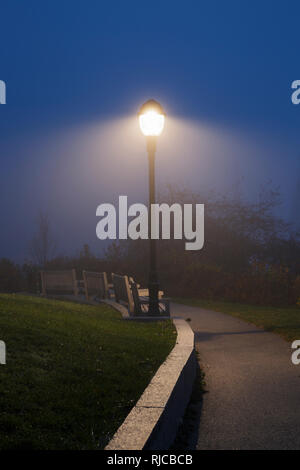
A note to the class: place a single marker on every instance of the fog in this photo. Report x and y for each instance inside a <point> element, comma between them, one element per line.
<point>68,172</point>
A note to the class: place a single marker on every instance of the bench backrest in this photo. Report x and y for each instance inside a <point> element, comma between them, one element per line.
<point>59,282</point>
<point>122,290</point>
<point>95,284</point>
<point>136,298</point>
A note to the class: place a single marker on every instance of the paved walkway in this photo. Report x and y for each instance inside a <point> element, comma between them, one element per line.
<point>253,399</point>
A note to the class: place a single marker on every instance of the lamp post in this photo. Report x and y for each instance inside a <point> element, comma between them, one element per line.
<point>152,119</point>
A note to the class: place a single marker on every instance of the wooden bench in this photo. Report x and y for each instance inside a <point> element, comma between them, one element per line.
<point>59,282</point>
<point>143,292</point>
<point>128,294</point>
<point>95,285</point>
<point>122,292</point>
<point>141,303</point>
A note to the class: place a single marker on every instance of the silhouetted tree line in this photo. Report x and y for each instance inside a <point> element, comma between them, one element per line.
<point>249,254</point>
<point>16,278</point>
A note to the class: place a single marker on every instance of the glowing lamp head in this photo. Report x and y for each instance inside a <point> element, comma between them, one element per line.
<point>152,118</point>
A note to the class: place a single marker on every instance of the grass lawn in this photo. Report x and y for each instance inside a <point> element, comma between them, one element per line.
<point>73,371</point>
<point>285,321</point>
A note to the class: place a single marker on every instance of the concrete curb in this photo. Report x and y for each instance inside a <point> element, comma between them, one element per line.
<point>152,424</point>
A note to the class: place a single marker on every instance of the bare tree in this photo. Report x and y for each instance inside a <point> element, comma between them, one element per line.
<point>42,246</point>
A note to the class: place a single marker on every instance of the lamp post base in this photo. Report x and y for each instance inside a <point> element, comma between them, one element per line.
<point>153,298</point>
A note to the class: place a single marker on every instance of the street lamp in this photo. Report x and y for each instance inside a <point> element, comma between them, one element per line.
<point>152,119</point>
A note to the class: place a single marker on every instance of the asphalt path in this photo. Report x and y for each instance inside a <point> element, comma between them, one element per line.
<point>253,389</point>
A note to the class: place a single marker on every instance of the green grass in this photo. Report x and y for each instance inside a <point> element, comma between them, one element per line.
<point>73,371</point>
<point>285,320</point>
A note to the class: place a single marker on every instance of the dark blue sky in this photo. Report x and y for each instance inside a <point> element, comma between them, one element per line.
<point>76,73</point>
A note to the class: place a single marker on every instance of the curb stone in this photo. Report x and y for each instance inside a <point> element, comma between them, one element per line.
<point>153,422</point>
